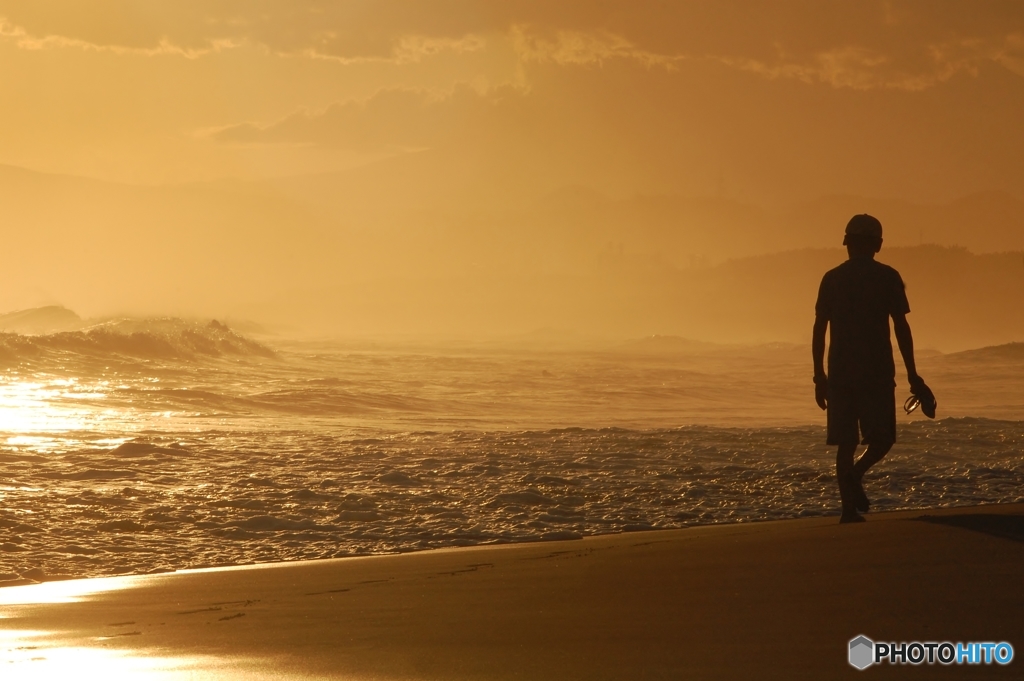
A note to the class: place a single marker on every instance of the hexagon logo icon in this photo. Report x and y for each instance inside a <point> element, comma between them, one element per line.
<point>862,652</point>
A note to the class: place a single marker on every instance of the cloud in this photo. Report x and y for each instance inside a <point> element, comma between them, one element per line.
<point>343,30</point>
<point>393,119</point>
<point>1011,53</point>
<point>860,68</point>
<point>858,44</point>
<point>579,47</point>
<point>405,49</point>
<point>20,37</point>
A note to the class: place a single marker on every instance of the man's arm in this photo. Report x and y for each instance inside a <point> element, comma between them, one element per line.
<point>906,342</point>
<point>818,352</point>
<point>924,394</point>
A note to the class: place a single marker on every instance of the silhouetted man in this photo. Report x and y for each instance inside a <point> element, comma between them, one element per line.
<point>855,301</point>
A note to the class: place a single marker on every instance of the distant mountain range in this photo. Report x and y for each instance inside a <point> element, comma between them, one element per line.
<point>958,299</point>
<point>398,248</point>
<point>48,319</point>
<point>402,198</point>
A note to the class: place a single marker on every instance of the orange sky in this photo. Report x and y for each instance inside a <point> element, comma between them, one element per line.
<point>769,100</point>
<point>449,129</point>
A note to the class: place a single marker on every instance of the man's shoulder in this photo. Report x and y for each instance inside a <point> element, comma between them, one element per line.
<point>852,265</point>
<point>837,275</point>
<point>835,271</point>
<point>887,271</point>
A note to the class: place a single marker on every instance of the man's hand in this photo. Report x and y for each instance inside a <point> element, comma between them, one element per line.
<point>821,391</point>
<point>924,394</point>
<point>818,354</point>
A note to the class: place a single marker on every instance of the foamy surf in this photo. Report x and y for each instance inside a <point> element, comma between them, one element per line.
<point>152,445</point>
<point>220,498</point>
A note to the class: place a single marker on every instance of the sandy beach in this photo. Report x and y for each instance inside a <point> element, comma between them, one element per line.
<point>755,600</point>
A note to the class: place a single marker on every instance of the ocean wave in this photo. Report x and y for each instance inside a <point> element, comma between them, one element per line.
<point>216,498</point>
<point>152,339</point>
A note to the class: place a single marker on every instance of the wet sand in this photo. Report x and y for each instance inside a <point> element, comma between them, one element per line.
<point>761,600</point>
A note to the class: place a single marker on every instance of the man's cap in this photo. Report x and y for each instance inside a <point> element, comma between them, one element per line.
<point>864,225</point>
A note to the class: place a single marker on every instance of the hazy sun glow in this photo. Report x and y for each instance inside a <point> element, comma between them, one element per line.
<point>495,168</point>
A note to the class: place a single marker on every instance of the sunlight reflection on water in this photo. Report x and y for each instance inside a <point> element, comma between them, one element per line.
<point>43,655</point>
<point>34,407</point>
<point>70,591</point>
<point>32,654</point>
<point>45,415</point>
<point>27,658</point>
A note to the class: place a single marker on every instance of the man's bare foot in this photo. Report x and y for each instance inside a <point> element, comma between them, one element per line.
<point>860,499</point>
<point>851,516</point>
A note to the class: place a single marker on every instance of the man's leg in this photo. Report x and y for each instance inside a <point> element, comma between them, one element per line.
<point>844,474</point>
<point>876,408</point>
<point>856,473</point>
<point>873,455</point>
<point>843,432</point>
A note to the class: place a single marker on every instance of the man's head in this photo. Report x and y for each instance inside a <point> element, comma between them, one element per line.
<point>863,236</point>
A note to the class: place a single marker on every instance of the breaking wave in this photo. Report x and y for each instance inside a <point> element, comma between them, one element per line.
<point>163,338</point>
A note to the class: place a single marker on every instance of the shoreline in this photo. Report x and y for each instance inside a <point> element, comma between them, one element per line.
<point>48,578</point>
<point>772,599</point>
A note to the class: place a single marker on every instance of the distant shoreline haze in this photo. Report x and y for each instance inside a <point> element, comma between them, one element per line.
<point>331,255</point>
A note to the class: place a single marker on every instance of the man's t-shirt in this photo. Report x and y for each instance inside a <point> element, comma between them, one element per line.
<point>857,298</point>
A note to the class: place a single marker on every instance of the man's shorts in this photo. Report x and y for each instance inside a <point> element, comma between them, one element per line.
<point>862,413</point>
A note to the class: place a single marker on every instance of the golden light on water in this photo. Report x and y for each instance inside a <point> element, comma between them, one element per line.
<point>40,413</point>
<point>45,655</point>
<point>70,591</point>
<point>28,660</point>
<point>33,654</point>
<point>27,657</point>
<point>36,407</point>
